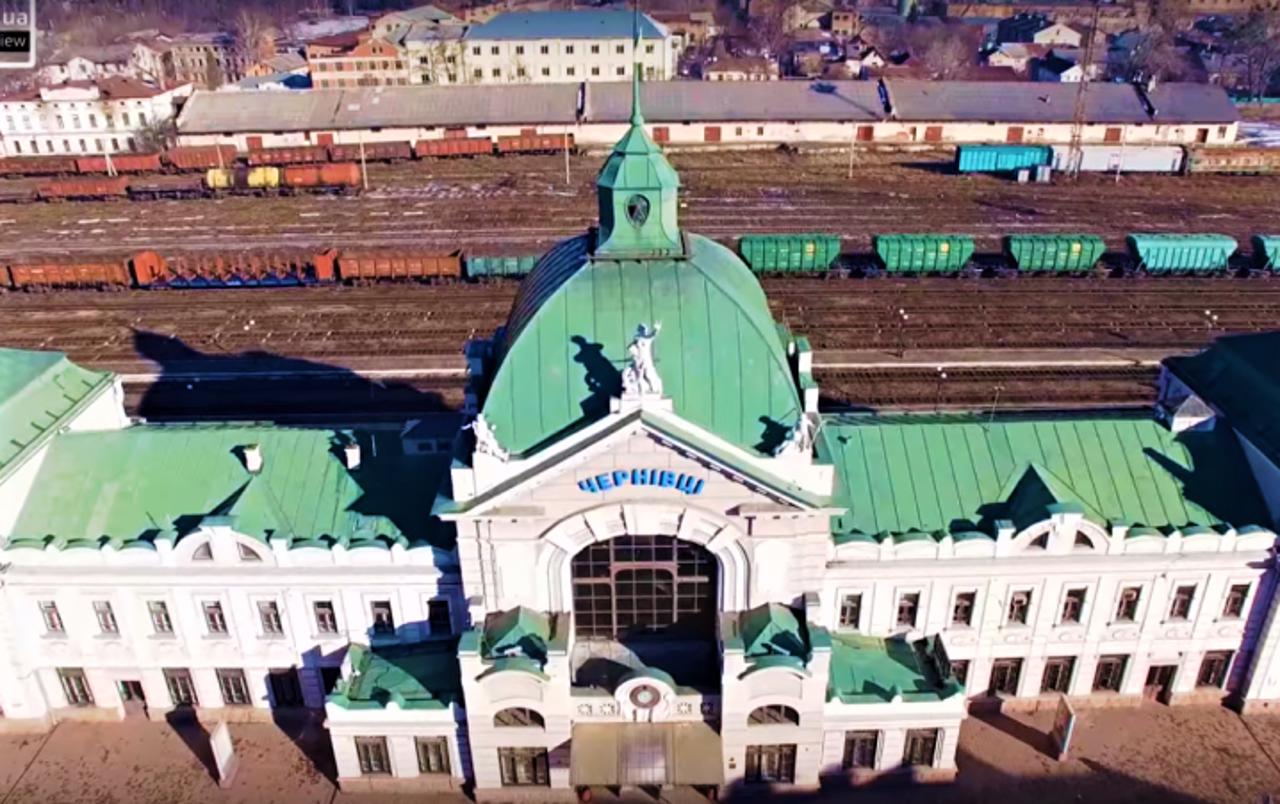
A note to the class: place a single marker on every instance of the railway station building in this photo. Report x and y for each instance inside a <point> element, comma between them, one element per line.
<point>649,559</point>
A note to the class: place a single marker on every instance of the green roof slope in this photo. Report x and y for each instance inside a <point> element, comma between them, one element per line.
<point>38,390</point>
<point>422,675</point>
<point>159,481</point>
<point>1240,376</point>
<point>867,669</point>
<point>903,474</point>
<point>720,355</point>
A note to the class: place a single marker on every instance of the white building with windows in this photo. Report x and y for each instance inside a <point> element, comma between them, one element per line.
<point>84,117</point>
<point>649,560</point>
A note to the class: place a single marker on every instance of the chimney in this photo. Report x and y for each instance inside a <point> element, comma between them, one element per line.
<point>351,455</point>
<point>253,458</point>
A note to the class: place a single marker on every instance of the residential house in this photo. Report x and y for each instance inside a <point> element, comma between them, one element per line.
<point>1059,67</point>
<point>1017,56</point>
<point>371,62</point>
<point>693,29</point>
<point>87,64</point>
<point>1058,35</point>
<point>741,68</point>
<point>806,14</point>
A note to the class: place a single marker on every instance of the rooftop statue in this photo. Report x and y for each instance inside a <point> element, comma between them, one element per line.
<point>800,438</point>
<point>640,378</point>
<point>486,438</point>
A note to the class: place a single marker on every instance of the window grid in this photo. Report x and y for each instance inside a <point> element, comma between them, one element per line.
<point>75,686</point>
<point>1057,673</point>
<point>384,622</point>
<point>1019,607</point>
<point>960,669</point>
<point>860,749</point>
<point>52,619</point>
<point>433,754</point>
<point>642,584</point>
<point>1110,673</point>
<point>161,622</point>
<point>374,760</point>
<point>269,615</point>
<point>106,617</point>
<point>962,610</point>
<point>921,747</point>
<point>908,605</point>
<point>771,763</point>
<point>1004,676</point>
<point>1127,608</point>
<point>1236,596</point>
<point>518,717</point>
<point>214,619</point>
<point>851,610</point>
<point>773,714</point>
<point>182,690</point>
<point>438,620</point>
<point>326,617</point>
<point>523,767</point>
<point>1073,606</point>
<point>235,690</point>
<point>1213,669</point>
<point>1183,597</point>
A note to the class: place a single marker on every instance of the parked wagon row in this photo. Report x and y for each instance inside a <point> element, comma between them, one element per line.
<point>1117,158</point>
<point>327,178</point>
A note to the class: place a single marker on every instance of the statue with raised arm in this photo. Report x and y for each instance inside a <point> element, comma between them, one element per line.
<point>486,438</point>
<point>800,438</point>
<point>640,378</point>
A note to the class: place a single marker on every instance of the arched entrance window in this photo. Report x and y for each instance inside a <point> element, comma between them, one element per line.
<point>634,585</point>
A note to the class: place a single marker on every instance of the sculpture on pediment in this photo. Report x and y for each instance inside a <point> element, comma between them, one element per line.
<point>640,378</point>
<point>800,438</point>
<point>486,438</point>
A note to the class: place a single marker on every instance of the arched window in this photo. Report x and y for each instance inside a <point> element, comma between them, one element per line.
<point>773,715</point>
<point>203,553</point>
<point>519,717</point>
<point>247,553</point>
<point>1041,541</point>
<point>1083,542</point>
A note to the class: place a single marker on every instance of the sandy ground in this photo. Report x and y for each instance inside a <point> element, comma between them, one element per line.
<point>1151,754</point>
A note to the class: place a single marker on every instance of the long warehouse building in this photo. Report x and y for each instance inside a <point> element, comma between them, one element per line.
<point>893,111</point>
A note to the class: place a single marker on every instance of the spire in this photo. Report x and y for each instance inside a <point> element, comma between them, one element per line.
<point>637,115</point>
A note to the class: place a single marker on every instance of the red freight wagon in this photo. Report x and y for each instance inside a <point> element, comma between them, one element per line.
<point>123,163</point>
<point>296,155</point>
<point>378,265</point>
<point>37,165</point>
<point>85,187</point>
<point>535,143</point>
<point>201,157</point>
<point>244,269</point>
<point>373,151</point>
<point>342,175</point>
<point>70,272</point>
<point>465,146</point>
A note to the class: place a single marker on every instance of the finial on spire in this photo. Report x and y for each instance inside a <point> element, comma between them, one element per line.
<point>637,116</point>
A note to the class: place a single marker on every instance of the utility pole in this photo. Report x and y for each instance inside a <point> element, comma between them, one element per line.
<point>1075,151</point>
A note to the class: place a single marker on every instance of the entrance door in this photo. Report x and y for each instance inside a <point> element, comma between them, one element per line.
<point>933,134</point>
<point>133,698</point>
<point>254,143</point>
<point>285,690</point>
<point>642,760</point>
<point>325,138</point>
<point>1014,134</point>
<point>1159,686</point>
<point>1111,135</point>
<point>711,134</point>
<point>865,133</point>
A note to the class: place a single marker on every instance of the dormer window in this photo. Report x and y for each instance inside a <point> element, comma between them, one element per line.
<point>203,553</point>
<point>637,210</point>
<point>247,553</point>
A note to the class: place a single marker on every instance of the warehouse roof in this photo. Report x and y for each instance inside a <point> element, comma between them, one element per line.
<point>152,482</point>
<point>1015,101</point>
<point>38,392</point>
<point>1198,103</point>
<point>584,24</point>
<point>676,101</point>
<point>904,475</point>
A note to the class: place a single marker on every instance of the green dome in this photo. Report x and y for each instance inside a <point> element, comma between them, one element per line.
<point>721,356</point>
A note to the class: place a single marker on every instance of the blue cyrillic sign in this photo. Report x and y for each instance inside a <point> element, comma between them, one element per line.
<point>642,477</point>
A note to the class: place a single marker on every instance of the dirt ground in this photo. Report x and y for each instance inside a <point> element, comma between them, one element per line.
<point>1150,754</point>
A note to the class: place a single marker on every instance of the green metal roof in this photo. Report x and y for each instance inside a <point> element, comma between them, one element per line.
<point>867,669</point>
<point>521,631</point>
<point>720,354</point>
<point>1240,376</point>
<point>423,675</point>
<point>773,630</point>
<point>160,481</point>
<point>38,391</point>
<point>905,476</point>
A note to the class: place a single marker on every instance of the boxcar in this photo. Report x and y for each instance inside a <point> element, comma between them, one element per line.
<point>85,187</point>
<point>374,265</point>
<point>342,177</point>
<point>241,179</point>
<point>295,155</point>
<point>1124,158</point>
<point>1054,253</point>
<point>770,253</point>
<point>1266,252</point>
<point>484,267</point>
<point>535,143</point>
<point>375,151</point>
<point>258,268</point>
<point>923,253</point>
<point>164,187</point>
<point>1000,158</point>
<point>121,163</point>
<point>18,195</point>
<point>36,273</point>
<point>37,165</point>
<point>1241,159</point>
<point>200,157</point>
<point>455,146</point>
<point>1181,253</point>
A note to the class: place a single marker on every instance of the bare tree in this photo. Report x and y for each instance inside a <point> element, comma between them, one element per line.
<point>1253,46</point>
<point>1153,55</point>
<point>768,24</point>
<point>214,77</point>
<point>254,34</point>
<point>945,51</point>
<point>156,135</point>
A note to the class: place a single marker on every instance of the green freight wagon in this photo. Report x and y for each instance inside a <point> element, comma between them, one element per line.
<point>1054,253</point>
<point>1266,252</point>
<point>924,253</point>
<point>779,253</point>
<point>501,266</point>
<point>1001,158</point>
<point>1182,253</point>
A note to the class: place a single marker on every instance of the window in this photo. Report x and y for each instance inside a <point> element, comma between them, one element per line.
<point>545,50</point>
<point>1213,669</point>
<point>595,70</point>
<point>75,686</point>
<point>962,610</point>
<point>644,584</point>
<point>771,763</point>
<point>374,760</point>
<point>1057,673</point>
<point>1082,541</point>
<point>546,71</point>
<point>182,690</point>
<point>519,718</point>
<point>921,747</point>
<point>519,50</point>
<point>570,71</point>
<point>124,116</point>
<point>93,121</point>
<point>214,619</point>
<point>523,767</point>
<point>1180,608</point>
<point>433,754</point>
<point>960,669</point>
<point>61,124</point>
<point>1019,605</point>
<point>475,51</point>
<point>1127,608</point>
<point>326,617</point>
<point>477,73</point>
<point>438,620</point>
<point>1236,596</point>
<point>269,616</point>
<point>908,604</point>
<point>1110,673</point>
<point>1073,606</point>
<point>860,749</point>
<point>648,48</point>
<point>851,610</point>
<point>520,72</point>
<point>493,51</point>
<point>595,48</point>
<point>496,73</point>
<point>235,690</point>
<point>52,619</point>
<point>772,715</point>
<point>75,121</point>
<point>247,553</point>
<point>106,617</point>
<point>203,553</point>
<point>383,621</point>
<point>1004,677</point>
<point>619,49</point>
<point>621,70</point>
<point>568,50</point>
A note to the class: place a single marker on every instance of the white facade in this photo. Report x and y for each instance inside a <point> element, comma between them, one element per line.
<point>547,60</point>
<point>80,120</point>
<point>83,68</point>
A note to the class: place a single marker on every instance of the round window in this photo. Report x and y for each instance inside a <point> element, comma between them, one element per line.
<point>645,696</point>
<point>637,210</point>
